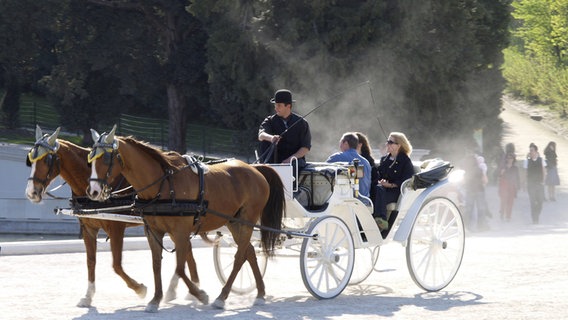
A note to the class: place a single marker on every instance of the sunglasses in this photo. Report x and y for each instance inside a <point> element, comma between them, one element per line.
<point>391,142</point>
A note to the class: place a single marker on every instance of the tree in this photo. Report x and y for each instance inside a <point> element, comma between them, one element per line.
<point>88,84</point>
<point>536,66</point>
<point>238,66</point>
<point>28,39</point>
<point>177,36</point>
<point>543,28</point>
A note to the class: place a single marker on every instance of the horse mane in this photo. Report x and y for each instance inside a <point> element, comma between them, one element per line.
<point>74,169</point>
<point>71,145</point>
<point>170,159</point>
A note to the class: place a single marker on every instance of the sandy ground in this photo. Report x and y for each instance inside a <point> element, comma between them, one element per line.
<point>516,270</point>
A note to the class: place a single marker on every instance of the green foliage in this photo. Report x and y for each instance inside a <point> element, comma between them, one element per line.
<point>536,67</point>
<point>543,29</point>
<point>537,81</point>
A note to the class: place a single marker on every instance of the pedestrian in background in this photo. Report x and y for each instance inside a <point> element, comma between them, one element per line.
<point>509,185</point>
<point>475,180</point>
<point>552,179</point>
<point>534,165</point>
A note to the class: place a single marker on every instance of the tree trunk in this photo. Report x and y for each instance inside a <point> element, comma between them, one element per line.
<point>176,119</point>
<point>10,103</point>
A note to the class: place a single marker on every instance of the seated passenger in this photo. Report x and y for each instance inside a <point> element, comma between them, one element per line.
<point>348,146</point>
<point>364,149</point>
<point>394,168</point>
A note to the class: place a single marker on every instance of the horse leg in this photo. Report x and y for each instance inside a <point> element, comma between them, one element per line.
<point>240,237</point>
<point>253,262</point>
<point>183,251</point>
<point>171,293</point>
<point>90,241</point>
<point>155,241</point>
<point>192,266</point>
<point>116,233</point>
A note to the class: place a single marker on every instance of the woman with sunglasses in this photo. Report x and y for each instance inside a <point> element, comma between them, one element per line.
<point>394,168</point>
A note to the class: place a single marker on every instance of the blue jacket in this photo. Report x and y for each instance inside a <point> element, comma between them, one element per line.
<point>348,156</point>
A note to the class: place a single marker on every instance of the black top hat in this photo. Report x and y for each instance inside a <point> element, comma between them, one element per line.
<point>282,96</point>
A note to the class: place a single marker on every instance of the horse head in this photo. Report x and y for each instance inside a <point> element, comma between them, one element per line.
<point>105,165</point>
<point>45,164</point>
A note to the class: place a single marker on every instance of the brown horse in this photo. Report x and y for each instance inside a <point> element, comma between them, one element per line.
<point>51,157</point>
<point>234,193</point>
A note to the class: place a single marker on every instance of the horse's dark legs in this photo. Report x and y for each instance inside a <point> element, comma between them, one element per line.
<point>155,241</point>
<point>116,233</point>
<point>90,241</point>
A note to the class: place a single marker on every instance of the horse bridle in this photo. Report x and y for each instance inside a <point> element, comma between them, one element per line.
<point>51,158</point>
<point>109,151</point>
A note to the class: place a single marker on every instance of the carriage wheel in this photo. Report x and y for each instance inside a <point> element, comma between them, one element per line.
<point>436,244</point>
<point>366,260</point>
<point>224,257</point>
<point>326,260</point>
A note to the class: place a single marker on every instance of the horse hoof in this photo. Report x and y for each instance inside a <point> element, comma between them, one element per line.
<point>151,308</point>
<point>189,296</point>
<point>259,302</point>
<point>203,297</point>
<point>84,303</point>
<point>219,304</point>
<point>141,292</point>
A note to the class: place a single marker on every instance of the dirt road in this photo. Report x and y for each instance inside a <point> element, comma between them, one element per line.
<point>516,270</point>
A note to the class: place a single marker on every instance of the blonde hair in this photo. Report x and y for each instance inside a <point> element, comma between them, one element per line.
<point>400,138</point>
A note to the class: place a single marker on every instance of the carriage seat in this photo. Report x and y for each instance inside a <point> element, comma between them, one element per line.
<point>315,186</point>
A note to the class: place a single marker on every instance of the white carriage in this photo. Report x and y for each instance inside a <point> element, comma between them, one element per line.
<point>330,225</point>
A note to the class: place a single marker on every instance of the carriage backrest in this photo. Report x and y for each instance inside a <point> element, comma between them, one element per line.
<point>317,182</point>
<point>284,170</point>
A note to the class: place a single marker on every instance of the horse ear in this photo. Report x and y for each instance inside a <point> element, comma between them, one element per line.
<point>95,135</point>
<point>110,136</point>
<point>52,139</point>
<point>38,133</point>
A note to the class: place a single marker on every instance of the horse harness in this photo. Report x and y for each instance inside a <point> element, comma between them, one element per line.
<point>173,206</point>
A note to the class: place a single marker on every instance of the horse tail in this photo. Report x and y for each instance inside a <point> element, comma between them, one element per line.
<point>273,211</point>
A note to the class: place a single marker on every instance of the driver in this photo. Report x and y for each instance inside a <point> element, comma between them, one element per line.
<point>284,135</point>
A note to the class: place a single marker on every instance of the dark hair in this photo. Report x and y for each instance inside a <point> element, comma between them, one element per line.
<point>351,139</point>
<point>510,148</point>
<point>550,147</point>
<point>365,147</point>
